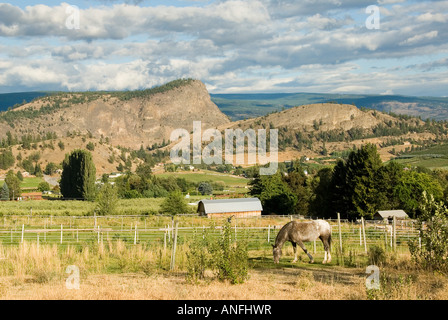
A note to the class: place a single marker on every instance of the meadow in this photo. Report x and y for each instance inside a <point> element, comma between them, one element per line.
<point>130,257</point>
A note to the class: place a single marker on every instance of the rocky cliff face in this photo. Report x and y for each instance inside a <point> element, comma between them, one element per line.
<point>324,116</point>
<point>142,120</point>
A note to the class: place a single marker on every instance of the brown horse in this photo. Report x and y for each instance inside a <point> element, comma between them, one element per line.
<point>299,232</point>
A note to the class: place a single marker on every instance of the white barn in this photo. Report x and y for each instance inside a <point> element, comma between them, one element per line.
<point>241,207</point>
<point>390,214</point>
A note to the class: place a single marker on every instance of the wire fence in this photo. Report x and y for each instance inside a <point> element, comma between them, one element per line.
<point>159,230</point>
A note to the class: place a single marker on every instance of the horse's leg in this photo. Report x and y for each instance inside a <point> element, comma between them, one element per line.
<point>294,246</point>
<point>306,251</point>
<point>327,256</point>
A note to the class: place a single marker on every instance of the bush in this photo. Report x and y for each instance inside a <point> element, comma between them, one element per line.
<point>198,258</point>
<point>107,200</point>
<point>174,204</point>
<point>205,188</point>
<point>377,255</point>
<point>229,259</point>
<point>432,252</point>
<point>44,186</point>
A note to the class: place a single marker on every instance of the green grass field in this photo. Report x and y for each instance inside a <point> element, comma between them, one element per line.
<point>27,183</point>
<point>435,157</point>
<point>205,175</point>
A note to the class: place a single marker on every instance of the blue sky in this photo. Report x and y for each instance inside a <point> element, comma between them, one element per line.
<point>233,46</point>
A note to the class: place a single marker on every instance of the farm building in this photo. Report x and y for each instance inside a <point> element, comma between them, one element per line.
<point>32,196</point>
<point>241,207</point>
<point>390,214</point>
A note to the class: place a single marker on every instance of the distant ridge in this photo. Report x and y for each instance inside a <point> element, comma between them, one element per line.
<point>8,100</point>
<point>252,105</point>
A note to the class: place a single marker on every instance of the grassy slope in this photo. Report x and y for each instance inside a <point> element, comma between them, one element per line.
<point>205,175</point>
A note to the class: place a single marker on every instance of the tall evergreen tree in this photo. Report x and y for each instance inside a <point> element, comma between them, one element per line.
<point>4,195</point>
<point>78,175</point>
<point>13,184</point>
<point>355,183</point>
<point>321,204</point>
<point>298,183</point>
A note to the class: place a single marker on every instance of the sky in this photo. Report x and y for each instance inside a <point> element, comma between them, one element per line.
<point>233,46</point>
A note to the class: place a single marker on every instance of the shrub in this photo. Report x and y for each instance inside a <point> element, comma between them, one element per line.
<point>432,252</point>
<point>43,186</point>
<point>198,258</point>
<point>230,259</point>
<point>377,255</point>
<point>174,204</point>
<point>107,200</point>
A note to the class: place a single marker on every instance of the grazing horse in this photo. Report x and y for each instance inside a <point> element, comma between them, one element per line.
<point>299,232</point>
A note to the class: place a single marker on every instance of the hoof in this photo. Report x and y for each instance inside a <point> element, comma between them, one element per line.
<point>324,262</point>
<point>312,261</point>
<point>294,261</point>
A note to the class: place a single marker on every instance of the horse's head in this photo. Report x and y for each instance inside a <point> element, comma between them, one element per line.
<point>277,252</point>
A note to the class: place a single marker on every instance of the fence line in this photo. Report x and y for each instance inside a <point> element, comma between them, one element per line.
<point>349,234</point>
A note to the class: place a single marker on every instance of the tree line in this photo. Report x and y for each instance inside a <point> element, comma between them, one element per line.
<point>356,187</point>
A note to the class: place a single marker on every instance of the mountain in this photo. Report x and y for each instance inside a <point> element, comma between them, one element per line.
<point>129,119</point>
<point>323,129</point>
<point>112,124</point>
<point>243,106</point>
<point>252,105</point>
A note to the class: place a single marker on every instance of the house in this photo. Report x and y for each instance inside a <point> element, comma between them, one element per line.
<point>390,214</point>
<point>241,207</point>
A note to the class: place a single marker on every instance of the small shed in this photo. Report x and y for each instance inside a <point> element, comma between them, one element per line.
<point>390,214</point>
<point>241,207</point>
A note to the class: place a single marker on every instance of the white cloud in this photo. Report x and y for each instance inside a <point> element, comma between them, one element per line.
<point>254,44</point>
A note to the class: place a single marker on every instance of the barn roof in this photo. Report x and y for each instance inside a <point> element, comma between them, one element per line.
<point>392,213</point>
<point>231,205</point>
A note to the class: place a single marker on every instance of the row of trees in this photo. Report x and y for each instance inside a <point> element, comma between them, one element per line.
<point>356,187</point>
<point>78,181</point>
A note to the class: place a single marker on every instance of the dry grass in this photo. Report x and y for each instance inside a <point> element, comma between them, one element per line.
<point>279,285</point>
<point>115,271</point>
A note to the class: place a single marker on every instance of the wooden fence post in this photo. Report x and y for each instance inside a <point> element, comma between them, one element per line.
<point>23,231</point>
<point>340,232</point>
<point>173,254</point>
<point>135,234</point>
<point>364,234</point>
<point>385,235</point>
<point>394,228</point>
<point>360,236</point>
<point>61,233</point>
<point>269,233</point>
